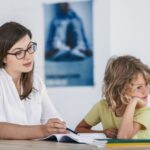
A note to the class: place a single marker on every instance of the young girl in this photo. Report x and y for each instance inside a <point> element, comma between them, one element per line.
<point>26,112</point>
<point>123,112</point>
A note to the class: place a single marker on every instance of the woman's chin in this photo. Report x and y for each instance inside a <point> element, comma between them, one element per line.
<point>27,70</point>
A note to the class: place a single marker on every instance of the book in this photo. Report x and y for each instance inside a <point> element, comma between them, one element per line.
<point>135,145</point>
<point>83,138</point>
<point>126,140</point>
<point>128,143</point>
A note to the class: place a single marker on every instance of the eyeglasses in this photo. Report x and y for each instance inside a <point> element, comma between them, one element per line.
<point>20,54</point>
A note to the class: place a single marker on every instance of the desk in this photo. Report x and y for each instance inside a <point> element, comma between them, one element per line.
<point>46,145</point>
<point>42,145</point>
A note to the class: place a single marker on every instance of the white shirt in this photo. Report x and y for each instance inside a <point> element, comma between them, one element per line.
<point>36,110</point>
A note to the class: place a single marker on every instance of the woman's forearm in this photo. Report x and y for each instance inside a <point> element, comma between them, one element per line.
<point>20,132</point>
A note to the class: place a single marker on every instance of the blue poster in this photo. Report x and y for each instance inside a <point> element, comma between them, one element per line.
<point>68,44</point>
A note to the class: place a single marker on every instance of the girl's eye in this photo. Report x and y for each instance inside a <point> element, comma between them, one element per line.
<point>139,87</point>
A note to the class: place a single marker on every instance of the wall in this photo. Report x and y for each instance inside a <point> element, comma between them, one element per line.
<point>130,28</point>
<point>120,27</point>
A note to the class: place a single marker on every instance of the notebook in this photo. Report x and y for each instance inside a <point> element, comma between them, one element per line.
<point>87,138</point>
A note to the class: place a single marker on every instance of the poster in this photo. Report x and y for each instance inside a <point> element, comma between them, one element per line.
<point>68,44</point>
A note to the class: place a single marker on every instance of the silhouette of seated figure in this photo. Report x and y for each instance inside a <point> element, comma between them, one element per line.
<point>66,40</point>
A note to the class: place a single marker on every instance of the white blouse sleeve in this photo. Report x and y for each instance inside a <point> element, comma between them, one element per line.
<point>2,113</point>
<point>48,109</point>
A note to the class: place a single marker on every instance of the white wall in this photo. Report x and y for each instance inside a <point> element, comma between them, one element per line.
<point>130,28</point>
<point>120,27</point>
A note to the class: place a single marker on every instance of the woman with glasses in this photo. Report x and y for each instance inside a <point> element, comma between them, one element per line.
<point>123,111</point>
<point>26,111</point>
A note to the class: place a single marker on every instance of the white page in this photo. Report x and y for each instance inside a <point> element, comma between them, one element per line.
<point>93,135</point>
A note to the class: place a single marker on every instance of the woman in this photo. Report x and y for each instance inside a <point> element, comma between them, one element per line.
<point>26,112</point>
<point>123,112</point>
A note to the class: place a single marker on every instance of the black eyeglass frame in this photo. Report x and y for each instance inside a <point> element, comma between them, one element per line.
<point>34,47</point>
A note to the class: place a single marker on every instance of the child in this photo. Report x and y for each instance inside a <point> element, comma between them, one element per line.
<point>123,112</point>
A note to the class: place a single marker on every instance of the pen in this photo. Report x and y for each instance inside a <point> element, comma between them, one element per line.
<point>71,130</point>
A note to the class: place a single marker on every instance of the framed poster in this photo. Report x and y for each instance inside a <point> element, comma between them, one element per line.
<point>68,44</point>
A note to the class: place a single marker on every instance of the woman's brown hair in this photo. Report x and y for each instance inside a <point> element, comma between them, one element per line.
<point>10,33</point>
<point>119,72</point>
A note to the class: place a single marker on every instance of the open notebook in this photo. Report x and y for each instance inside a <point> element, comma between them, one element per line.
<point>87,138</point>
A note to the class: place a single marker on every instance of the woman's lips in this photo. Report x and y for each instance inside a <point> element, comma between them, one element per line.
<point>27,64</point>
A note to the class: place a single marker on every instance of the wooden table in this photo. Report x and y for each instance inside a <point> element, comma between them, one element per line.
<point>41,145</point>
<point>46,145</point>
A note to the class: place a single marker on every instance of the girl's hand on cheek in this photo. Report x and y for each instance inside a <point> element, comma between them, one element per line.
<point>140,102</point>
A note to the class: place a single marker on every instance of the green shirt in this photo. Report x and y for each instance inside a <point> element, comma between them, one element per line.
<point>101,113</point>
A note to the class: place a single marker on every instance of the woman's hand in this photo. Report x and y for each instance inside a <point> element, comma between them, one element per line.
<point>55,126</point>
<point>111,132</point>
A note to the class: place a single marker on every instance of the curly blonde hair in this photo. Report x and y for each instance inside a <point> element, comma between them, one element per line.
<point>119,73</point>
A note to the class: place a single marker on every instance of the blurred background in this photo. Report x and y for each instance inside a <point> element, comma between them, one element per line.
<point>119,27</point>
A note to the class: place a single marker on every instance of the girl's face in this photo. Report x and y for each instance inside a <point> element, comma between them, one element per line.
<point>23,65</point>
<point>139,88</point>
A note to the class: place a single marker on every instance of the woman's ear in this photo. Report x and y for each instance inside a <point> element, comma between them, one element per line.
<point>5,60</point>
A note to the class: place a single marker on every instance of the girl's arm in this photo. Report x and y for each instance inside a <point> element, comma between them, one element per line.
<point>83,127</point>
<point>26,132</point>
<point>128,128</point>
